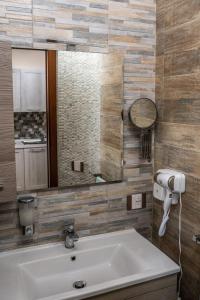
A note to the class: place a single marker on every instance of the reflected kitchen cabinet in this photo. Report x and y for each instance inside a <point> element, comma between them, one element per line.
<point>16,90</point>
<point>31,168</point>
<point>19,158</point>
<point>29,91</point>
<point>36,168</point>
<point>32,91</point>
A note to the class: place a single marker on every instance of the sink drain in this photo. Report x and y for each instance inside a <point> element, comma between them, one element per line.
<point>79,284</point>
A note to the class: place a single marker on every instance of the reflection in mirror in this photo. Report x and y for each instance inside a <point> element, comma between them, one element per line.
<point>29,99</point>
<point>89,124</point>
<point>67,115</point>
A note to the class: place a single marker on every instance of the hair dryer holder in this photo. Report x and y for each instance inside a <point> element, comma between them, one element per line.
<point>168,186</point>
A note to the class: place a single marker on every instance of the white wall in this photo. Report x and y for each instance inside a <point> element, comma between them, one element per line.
<point>28,59</point>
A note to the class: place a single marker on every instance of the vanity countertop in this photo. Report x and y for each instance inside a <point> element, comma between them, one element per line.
<point>31,143</point>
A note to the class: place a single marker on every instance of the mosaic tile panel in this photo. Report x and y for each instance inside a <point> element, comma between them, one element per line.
<point>30,125</point>
<point>78,115</point>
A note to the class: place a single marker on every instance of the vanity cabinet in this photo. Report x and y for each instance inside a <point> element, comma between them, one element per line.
<point>158,289</point>
<point>19,160</point>
<point>29,91</point>
<point>31,168</point>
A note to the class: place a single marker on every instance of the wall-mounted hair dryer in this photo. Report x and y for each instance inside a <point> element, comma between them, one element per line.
<point>168,186</point>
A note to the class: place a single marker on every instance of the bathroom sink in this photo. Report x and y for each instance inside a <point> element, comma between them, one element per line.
<point>97,265</point>
<point>47,277</point>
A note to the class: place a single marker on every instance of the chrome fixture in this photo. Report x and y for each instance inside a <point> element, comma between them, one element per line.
<point>79,284</point>
<point>196,239</point>
<point>71,236</point>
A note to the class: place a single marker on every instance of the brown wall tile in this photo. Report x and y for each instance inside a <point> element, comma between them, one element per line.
<point>177,144</point>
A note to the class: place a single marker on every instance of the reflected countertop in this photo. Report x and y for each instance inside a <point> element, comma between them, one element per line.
<point>29,143</point>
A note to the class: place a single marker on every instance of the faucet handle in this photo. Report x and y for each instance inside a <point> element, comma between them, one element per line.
<point>69,228</point>
<point>75,237</point>
<point>196,238</point>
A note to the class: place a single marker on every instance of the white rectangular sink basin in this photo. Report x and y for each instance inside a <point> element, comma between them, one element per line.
<point>104,262</point>
<point>56,275</point>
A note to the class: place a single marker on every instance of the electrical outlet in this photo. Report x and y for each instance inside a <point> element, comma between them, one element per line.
<point>77,166</point>
<point>136,201</point>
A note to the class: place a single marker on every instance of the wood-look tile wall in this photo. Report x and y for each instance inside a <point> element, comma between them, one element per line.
<point>125,26</point>
<point>177,138</point>
<point>111,129</point>
<point>7,157</point>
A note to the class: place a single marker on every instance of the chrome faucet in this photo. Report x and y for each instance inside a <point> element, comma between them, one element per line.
<point>196,238</point>
<point>71,236</point>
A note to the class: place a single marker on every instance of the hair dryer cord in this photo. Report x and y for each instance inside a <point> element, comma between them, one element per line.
<point>165,219</point>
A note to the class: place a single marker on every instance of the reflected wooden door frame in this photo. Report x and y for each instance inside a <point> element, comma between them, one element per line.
<point>52,117</point>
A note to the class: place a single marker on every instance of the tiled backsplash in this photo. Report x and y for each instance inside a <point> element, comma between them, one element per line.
<point>136,40</point>
<point>30,125</point>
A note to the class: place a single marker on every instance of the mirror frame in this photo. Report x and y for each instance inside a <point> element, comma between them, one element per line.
<point>156,110</point>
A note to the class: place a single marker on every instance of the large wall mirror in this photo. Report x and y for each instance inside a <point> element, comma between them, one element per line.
<point>67,118</point>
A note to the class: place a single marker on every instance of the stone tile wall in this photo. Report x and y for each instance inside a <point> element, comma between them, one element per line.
<point>125,26</point>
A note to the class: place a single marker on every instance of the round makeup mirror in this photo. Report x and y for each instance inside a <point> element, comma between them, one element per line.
<point>143,113</point>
